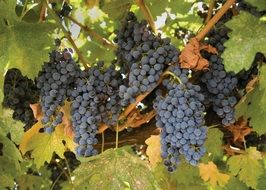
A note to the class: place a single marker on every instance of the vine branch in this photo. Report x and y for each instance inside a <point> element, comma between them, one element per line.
<point>42,13</point>
<point>200,36</point>
<point>94,35</point>
<point>68,36</point>
<point>147,13</point>
<point>209,15</point>
<point>136,136</point>
<point>239,151</point>
<point>214,19</point>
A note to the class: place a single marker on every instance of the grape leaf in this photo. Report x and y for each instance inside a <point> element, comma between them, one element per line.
<point>26,182</point>
<point>247,167</point>
<point>154,149</point>
<point>8,125</point>
<point>156,7</point>
<point>9,162</point>
<point>214,142</point>
<point>23,45</point>
<point>246,39</point>
<point>210,173</point>
<point>191,173</point>
<point>185,177</point>
<point>233,183</point>
<point>253,104</point>
<point>114,169</point>
<point>262,181</point>
<point>115,9</point>
<point>44,145</point>
<point>260,4</point>
<point>96,52</point>
<point>34,130</point>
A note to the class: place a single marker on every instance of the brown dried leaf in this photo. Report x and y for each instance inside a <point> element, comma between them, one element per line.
<point>228,150</point>
<point>191,58</point>
<point>239,130</point>
<point>154,149</point>
<point>66,120</point>
<point>209,48</point>
<point>37,111</point>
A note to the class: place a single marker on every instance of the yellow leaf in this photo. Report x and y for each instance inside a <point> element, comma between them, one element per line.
<point>209,172</point>
<point>154,149</point>
<point>34,130</point>
<point>43,145</point>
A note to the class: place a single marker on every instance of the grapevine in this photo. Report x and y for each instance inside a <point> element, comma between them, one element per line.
<point>132,94</point>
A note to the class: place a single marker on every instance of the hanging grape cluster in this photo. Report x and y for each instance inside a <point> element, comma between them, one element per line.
<point>19,93</point>
<point>56,82</point>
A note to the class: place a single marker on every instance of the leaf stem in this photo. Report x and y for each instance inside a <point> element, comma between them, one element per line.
<point>211,6</point>
<point>102,142</point>
<point>94,35</point>
<point>42,13</point>
<point>173,75</point>
<point>23,12</point>
<point>116,136</point>
<point>147,13</point>
<point>63,170</point>
<point>68,169</point>
<point>68,36</point>
<point>214,19</point>
<point>56,180</point>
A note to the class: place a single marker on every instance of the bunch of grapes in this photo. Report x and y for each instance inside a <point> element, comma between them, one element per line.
<point>95,101</point>
<point>247,75</point>
<point>242,5</point>
<point>19,93</point>
<point>144,57</point>
<point>180,115</point>
<point>221,86</point>
<point>63,11</point>
<point>56,82</point>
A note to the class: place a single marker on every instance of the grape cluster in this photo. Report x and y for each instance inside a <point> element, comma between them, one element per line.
<point>19,93</point>
<point>247,75</point>
<point>220,86</point>
<point>242,5</point>
<point>180,115</point>
<point>63,11</point>
<point>143,55</point>
<point>95,100</point>
<point>217,37</point>
<point>56,82</point>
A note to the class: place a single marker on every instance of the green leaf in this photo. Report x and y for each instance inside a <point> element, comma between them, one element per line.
<point>260,4</point>
<point>114,169</point>
<point>157,7</point>
<point>253,105</point>
<point>233,183</point>
<point>262,181</point>
<point>247,167</point>
<point>214,142</point>
<point>185,177</point>
<point>23,45</point>
<point>96,52</point>
<point>246,39</point>
<point>9,162</point>
<point>116,9</point>
<point>26,182</point>
<point>190,171</point>
<point>8,125</point>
